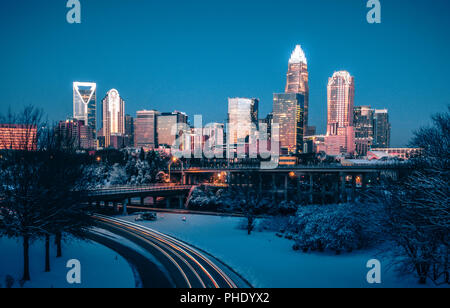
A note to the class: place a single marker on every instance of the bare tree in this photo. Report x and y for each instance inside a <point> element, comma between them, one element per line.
<point>417,207</point>
<point>244,196</point>
<point>42,183</point>
<point>19,173</point>
<point>62,181</point>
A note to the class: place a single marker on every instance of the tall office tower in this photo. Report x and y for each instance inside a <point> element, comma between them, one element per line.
<point>363,122</point>
<point>289,114</point>
<point>169,127</point>
<point>340,131</point>
<point>113,116</point>
<point>85,104</point>
<point>129,130</point>
<point>145,129</point>
<point>18,137</point>
<point>214,139</point>
<point>242,119</point>
<point>382,129</point>
<point>297,79</point>
<point>80,133</point>
<point>268,122</point>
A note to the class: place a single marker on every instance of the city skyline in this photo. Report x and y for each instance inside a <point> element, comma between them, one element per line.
<point>171,69</point>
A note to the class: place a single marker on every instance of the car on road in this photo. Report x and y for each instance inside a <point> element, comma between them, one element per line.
<point>147,217</point>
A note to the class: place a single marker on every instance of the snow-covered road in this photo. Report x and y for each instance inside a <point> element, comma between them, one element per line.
<point>268,261</point>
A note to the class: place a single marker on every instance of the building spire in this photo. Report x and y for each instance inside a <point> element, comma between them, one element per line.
<point>298,56</point>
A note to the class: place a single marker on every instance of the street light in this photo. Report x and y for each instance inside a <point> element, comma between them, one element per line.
<point>175,160</point>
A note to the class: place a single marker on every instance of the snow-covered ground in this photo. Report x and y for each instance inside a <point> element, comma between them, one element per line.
<point>100,266</point>
<point>267,261</point>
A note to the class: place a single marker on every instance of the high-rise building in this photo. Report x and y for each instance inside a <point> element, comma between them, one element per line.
<point>85,104</point>
<point>363,121</point>
<point>340,131</point>
<point>129,130</point>
<point>169,127</point>
<point>268,122</point>
<point>289,114</point>
<point>145,129</point>
<point>18,137</point>
<point>382,129</point>
<point>242,119</point>
<point>80,133</point>
<point>113,116</point>
<point>297,80</point>
<point>214,141</point>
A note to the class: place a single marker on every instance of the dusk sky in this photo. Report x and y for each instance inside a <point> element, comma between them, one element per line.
<point>192,55</point>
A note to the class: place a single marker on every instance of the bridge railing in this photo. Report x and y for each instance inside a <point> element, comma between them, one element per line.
<point>136,189</point>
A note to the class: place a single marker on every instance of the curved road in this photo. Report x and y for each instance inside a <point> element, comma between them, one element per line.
<point>187,267</point>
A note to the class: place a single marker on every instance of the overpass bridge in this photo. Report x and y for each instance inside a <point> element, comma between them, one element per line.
<point>124,194</point>
<point>306,182</point>
<point>309,184</point>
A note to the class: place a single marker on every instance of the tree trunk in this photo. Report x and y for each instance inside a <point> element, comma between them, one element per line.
<point>26,258</point>
<point>58,239</point>
<point>47,253</point>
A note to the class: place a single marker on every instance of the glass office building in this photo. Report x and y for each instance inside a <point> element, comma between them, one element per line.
<point>85,104</point>
<point>340,131</point>
<point>297,79</point>
<point>242,119</point>
<point>289,114</point>
<point>382,129</point>
<point>169,127</point>
<point>145,129</point>
<point>113,116</point>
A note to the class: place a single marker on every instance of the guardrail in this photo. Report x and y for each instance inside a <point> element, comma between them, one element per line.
<point>298,167</point>
<point>137,189</point>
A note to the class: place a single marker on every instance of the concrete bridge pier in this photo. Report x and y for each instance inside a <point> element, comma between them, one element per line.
<point>286,187</point>
<point>311,188</point>
<point>274,188</point>
<point>354,176</point>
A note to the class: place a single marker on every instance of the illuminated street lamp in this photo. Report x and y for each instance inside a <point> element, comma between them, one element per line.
<point>175,160</point>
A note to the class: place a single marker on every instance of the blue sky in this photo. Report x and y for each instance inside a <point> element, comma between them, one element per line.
<point>192,55</point>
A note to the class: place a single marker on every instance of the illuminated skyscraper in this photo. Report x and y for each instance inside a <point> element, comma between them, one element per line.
<point>363,122</point>
<point>80,133</point>
<point>242,119</point>
<point>288,113</point>
<point>18,137</point>
<point>113,116</point>
<point>169,127</point>
<point>382,129</point>
<point>129,129</point>
<point>145,129</point>
<point>340,131</point>
<point>297,79</point>
<point>85,104</point>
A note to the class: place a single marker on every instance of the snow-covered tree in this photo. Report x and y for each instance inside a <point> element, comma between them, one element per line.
<point>417,207</point>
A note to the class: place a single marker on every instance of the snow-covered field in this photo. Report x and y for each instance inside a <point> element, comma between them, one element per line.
<point>267,261</point>
<point>100,266</point>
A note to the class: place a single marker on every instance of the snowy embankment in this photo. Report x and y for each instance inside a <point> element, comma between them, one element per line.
<point>267,261</point>
<point>100,266</point>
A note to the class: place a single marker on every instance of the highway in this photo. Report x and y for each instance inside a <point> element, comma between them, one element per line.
<point>187,266</point>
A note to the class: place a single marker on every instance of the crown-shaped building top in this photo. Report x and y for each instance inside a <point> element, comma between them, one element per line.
<point>298,56</point>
